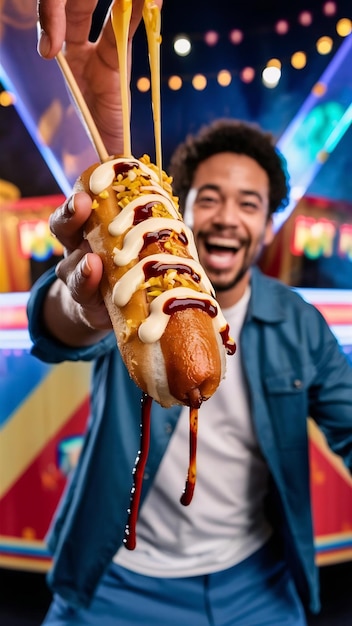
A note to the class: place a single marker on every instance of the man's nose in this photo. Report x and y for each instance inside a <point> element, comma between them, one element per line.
<point>228,213</point>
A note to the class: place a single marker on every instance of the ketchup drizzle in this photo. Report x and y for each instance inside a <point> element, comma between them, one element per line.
<point>138,473</point>
<point>187,495</point>
<point>156,268</point>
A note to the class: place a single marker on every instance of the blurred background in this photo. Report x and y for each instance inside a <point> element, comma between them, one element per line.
<point>285,66</point>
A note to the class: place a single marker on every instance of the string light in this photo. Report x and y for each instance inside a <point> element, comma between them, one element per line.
<point>305,18</point>
<point>271,75</point>
<point>224,78</point>
<point>236,36</point>
<point>247,74</point>
<point>329,8</point>
<point>143,84</point>
<point>299,60</point>
<point>272,72</point>
<point>324,45</point>
<point>199,82</point>
<point>344,27</point>
<point>211,38</point>
<point>182,45</point>
<point>282,27</point>
<point>175,83</point>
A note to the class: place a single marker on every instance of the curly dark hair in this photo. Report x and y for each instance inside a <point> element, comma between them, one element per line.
<point>229,135</point>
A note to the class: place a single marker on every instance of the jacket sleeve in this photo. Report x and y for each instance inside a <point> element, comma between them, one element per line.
<point>331,393</point>
<point>46,347</point>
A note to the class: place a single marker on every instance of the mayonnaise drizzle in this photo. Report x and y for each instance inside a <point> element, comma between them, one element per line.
<point>103,175</point>
<point>124,220</point>
<point>131,281</point>
<point>154,326</point>
<point>134,240</point>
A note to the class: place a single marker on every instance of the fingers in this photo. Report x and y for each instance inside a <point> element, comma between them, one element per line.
<point>82,271</point>
<point>63,20</point>
<point>67,222</point>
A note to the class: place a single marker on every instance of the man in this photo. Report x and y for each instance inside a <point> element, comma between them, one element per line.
<point>242,554</point>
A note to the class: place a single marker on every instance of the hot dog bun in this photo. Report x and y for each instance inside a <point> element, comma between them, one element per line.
<point>168,325</point>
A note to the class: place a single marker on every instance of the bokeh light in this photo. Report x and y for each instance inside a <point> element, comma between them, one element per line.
<point>182,45</point>
<point>329,8</point>
<point>271,76</point>
<point>236,36</point>
<point>282,27</point>
<point>305,18</point>
<point>344,27</point>
<point>211,38</point>
<point>324,45</point>
<point>175,83</point>
<point>247,74</point>
<point>7,99</point>
<point>143,84</point>
<point>299,60</point>
<point>224,78</point>
<point>199,82</point>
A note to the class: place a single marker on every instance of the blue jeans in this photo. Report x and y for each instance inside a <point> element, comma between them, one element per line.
<point>257,592</point>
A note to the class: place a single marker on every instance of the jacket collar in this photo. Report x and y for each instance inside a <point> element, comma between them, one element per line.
<point>266,302</point>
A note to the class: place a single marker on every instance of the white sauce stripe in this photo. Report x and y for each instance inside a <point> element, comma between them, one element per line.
<point>124,220</point>
<point>131,281</point>
<point>103,175</point>
<point>134,240</point>
<point>154,326</point>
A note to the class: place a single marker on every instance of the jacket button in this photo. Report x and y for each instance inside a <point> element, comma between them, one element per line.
<point>297,383</point>
<point>168,428</point>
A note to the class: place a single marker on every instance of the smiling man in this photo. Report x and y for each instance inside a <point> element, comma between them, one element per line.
<point>243,552</point>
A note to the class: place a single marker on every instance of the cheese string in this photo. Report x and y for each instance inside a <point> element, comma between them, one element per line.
<point>120,17</point>
<point>152,21</point>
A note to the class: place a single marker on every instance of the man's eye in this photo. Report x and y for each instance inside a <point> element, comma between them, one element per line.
<point>249,206</point>
<point>204,200</point>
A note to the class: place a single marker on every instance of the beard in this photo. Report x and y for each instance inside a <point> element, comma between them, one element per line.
<point>221,287</point>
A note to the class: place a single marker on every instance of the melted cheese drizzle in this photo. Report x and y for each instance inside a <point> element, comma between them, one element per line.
<point>121,12</point>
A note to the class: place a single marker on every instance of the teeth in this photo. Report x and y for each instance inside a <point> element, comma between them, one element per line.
<point>223,244</point>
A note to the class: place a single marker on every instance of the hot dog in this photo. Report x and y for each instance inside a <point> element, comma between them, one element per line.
<point>169,328</point>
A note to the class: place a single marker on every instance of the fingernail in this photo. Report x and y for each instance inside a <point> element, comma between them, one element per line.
<point>43,45</point>
<point>85,267</point>
<point>71,206</point>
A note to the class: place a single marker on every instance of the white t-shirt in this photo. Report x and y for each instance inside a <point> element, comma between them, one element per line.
<point>224,523</point>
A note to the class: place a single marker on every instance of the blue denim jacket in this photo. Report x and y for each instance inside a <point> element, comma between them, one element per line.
<point>294,369</point>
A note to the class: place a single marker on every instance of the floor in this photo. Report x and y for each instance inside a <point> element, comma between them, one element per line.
<point>24,597</point>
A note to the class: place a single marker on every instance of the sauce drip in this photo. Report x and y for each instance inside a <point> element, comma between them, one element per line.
<point>187,495</point>
<point>228,342</point>
<point>138,473</point>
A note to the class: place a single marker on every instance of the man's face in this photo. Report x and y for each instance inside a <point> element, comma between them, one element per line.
<point>230,220</point>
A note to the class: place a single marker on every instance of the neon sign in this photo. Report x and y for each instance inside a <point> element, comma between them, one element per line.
<point>315,238</point>
<point>36,240</point>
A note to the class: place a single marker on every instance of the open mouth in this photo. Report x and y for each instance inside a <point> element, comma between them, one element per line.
<point>220,254</point>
